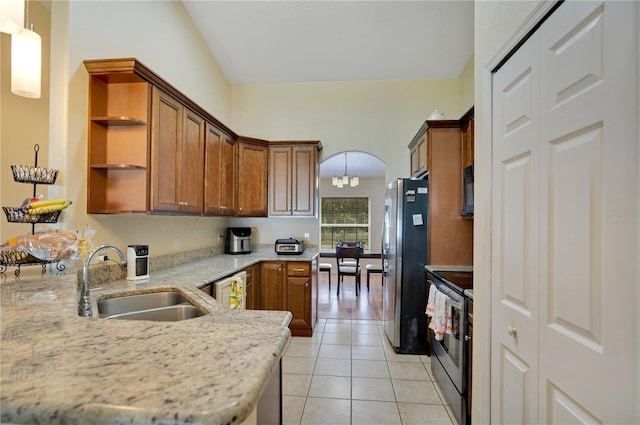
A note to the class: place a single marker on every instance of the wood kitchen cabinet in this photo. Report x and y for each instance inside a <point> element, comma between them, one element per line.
<point>438,144</point>
<point>151,149</point>
<point>298,297</point>
<point>253,160</point>
<point>219,173</point>
<point>252,287</point>
<point>293,170</point>
<point>291,286</point>
<point>467,128</point>
<point>118,133</point>
<point>177,150</point>
<point>272,277</point>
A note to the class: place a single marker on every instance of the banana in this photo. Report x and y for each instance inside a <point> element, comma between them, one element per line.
<point>49,209</point>
<point>46,203</point>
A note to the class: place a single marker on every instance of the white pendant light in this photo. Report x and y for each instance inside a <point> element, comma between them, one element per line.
<point>11,16</point>
<point>26,63</point>
<point>345,180</point>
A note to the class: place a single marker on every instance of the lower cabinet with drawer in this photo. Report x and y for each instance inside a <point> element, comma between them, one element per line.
<point>291,286</point>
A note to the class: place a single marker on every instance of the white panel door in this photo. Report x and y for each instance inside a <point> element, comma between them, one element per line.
<point>589,254</point>
<point>515,316</point>
<point>566,221</point>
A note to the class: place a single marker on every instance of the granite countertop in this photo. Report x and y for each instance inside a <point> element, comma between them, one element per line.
<point>59,368</point>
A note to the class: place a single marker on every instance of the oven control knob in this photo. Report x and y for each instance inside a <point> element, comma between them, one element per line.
<point>512,331</point>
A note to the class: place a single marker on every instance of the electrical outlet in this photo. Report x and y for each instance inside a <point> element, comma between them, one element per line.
<point>306,236</point>
<point>177,243</point>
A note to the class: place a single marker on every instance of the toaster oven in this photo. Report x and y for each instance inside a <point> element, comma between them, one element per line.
<point>289,247</point>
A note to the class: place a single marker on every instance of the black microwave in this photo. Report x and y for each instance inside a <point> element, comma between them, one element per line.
<point>468,190</point>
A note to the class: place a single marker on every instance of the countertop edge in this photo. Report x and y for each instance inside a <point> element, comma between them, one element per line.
<point>58,294</point>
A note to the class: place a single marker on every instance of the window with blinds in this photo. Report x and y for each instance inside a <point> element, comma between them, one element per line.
<point>344,219</point>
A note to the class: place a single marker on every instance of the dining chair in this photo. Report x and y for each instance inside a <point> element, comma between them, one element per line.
<point>348,261</point>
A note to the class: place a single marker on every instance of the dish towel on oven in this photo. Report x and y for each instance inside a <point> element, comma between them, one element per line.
<point>235,294</point>
<point>431,301</point>
<point>439,320</point>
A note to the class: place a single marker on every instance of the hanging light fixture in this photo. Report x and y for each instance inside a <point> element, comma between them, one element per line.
<point>26,61</point>
<point>345,180</point>
<point>11,16</point>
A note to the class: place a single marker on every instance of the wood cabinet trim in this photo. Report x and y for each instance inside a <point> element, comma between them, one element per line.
<point>123,66</point>
<point>130,70</point>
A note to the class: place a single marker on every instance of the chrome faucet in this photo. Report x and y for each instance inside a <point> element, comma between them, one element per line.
<point>84,303</point>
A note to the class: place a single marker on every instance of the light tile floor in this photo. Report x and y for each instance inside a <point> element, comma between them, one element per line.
<point>348,373</point>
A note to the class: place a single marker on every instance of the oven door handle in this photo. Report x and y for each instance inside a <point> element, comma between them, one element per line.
<point>454,304</point>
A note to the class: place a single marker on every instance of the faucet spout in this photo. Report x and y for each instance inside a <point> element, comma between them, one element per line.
<point>84,303</point>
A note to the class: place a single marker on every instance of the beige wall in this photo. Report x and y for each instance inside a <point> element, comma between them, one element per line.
<point>377,117</point>
<point>162,36</point>
<point>24,122</point>
<point>467,85</point>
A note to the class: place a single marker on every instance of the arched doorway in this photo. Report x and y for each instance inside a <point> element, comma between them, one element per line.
<point>351,209</point>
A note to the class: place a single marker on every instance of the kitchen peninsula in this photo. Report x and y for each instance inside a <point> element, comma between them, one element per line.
<point>57,367</point>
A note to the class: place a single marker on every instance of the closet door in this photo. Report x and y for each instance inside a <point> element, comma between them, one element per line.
<point>566,228</point>
<point>515,311</point>
<point>589,214</point>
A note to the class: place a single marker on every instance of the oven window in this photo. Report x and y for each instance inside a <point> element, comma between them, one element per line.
<point>452,342</point>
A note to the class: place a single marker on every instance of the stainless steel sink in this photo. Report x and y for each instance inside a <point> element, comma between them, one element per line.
<point>167,306</point>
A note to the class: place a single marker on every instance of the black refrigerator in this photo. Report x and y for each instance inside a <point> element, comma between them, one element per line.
<point>404,254</point>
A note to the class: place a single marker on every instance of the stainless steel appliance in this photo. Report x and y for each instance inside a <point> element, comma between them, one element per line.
<point>137,262</point>
<point>404,254</point>
<point>289,247</point>
<point>451,364</point>
<point>238,241</point>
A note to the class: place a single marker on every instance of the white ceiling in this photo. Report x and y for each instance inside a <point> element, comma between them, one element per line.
<point>270,42</point>
<point>267,42</point>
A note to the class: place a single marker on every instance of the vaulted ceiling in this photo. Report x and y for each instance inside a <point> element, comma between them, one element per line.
<point>270,42</point>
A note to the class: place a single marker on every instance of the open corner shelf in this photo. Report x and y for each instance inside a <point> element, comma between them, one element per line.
<point>120,121</point>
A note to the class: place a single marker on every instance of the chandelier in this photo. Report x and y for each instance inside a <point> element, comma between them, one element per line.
<point>345,180</point>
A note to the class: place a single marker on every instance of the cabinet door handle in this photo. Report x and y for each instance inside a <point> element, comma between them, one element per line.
<point>467,338</point>
<point>306,284</point>
<point>298,270</point>
<point>512,331</point>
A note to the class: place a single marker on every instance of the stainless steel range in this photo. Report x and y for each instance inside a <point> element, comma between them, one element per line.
<point>450,365</point>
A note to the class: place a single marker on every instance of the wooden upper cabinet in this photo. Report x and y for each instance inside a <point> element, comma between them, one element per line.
<point>151,149</point>
<point>467,126</point>
<point>118,141</point>
<point>293,179</point>
<point>177,146</point>
<point>437,151</point>
<point>220,173</point>
<point>253,159</point>
<point>419,150</point>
